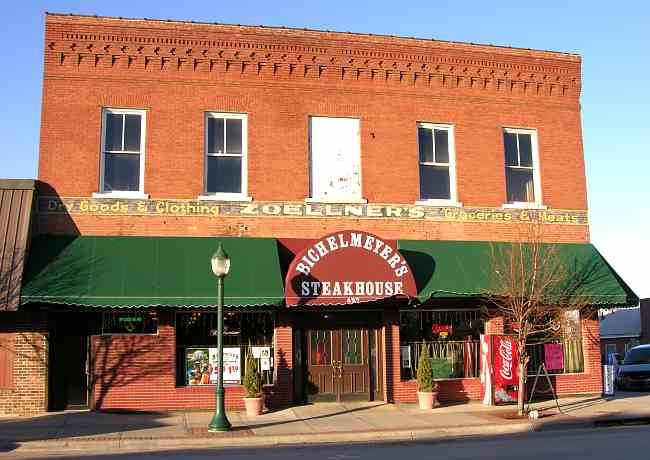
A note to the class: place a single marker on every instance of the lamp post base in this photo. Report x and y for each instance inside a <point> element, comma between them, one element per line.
<point>219,423</point>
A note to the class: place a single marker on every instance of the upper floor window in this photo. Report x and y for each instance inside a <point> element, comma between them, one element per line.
<point>335,159</point>
<point>437,162</point>
<point>122,163</point>
<point>522,166</point>
<point>226,152</point>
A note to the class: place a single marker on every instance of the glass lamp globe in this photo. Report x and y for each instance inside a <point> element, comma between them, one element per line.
<point>220,262</point>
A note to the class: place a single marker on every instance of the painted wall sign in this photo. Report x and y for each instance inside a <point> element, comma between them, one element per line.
<point>348,267</point>
<point>212,209</point>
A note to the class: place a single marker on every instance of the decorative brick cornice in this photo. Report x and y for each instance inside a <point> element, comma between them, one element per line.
<point>201,49</point>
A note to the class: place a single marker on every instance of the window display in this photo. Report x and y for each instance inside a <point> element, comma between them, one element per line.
<point>453,338</point>
<point>196,345</point>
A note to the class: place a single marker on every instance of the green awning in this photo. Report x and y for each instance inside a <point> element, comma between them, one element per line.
<point>453,269</point>
<point>127,271</point>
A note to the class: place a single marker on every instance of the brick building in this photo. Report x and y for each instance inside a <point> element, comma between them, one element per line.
<point>620,330</point>
<point>357,181</point>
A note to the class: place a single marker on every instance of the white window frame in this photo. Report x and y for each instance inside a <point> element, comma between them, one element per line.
<point>138,194</point>
<point>537,182</point>
<point>315,194</point>
<point>451,165</point>
<point>224,196</point>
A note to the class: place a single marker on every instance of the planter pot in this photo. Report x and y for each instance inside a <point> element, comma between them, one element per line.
<point>254,406</point>
<point>426,400</point>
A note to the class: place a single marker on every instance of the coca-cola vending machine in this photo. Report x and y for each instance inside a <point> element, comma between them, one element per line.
<point>499,378</point>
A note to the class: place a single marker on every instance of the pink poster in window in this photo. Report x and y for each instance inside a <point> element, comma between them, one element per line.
<point>553,356</point>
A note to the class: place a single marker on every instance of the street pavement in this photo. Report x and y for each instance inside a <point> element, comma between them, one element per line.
<point>596,444</point>
<point>327,423</point>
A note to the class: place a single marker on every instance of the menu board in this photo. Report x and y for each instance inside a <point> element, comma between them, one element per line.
<point>231,365</point>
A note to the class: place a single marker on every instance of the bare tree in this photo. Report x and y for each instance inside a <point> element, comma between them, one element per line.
<point>537,291</point>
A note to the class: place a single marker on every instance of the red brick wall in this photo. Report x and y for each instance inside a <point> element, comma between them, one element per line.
<point>139,373</point>
<point>178,71</point>
<point>27,340</point>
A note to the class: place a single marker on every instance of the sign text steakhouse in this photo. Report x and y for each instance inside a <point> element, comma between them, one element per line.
<point>339,241</point>
<point>351,288</point>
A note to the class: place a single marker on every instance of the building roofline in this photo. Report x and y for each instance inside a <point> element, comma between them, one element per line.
<point>620,336</point>
<point>17,184</point>
<point>415,40</point>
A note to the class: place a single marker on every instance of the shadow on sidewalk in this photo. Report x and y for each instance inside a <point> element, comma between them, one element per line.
<point>61,425</point>
<point>251,425</point>
<point>566,407</point>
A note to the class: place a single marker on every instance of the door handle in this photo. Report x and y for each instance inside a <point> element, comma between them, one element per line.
<point>337,366</point>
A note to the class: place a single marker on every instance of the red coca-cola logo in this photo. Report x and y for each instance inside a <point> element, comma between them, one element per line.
<point>505,351</point>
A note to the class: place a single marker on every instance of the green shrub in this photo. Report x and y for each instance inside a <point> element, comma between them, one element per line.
<point>425,374</point>
<point>252,378</point>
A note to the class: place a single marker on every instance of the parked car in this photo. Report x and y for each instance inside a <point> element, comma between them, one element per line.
<point>634,373</point>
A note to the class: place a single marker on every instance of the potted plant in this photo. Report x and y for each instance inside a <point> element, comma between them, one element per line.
<point>254,399</point>
<point>427,387</point>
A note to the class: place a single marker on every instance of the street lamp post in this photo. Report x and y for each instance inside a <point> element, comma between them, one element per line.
<point>220,267</point>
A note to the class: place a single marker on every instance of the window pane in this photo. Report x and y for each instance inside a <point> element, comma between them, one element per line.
<point>510,144</point>
<point>425,142</point>
<point>215,135</point>
<point>121,172</point>
<point>233,136</point>
<point>132,132</point>
<point>320,348</point>
<point>525,150</point>
<point>224,175</point>
<point>335,158</point>
<point>352,346</point>
<point>113,134</point>
<point>442,146</point>
<point>520,185</point>
<point>434,182</point>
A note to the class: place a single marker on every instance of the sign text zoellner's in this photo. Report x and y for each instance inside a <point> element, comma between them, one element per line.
<point>348,267</point>
<point>212,209</point>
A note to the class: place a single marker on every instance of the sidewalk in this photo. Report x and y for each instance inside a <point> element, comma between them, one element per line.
<point>309,424</point>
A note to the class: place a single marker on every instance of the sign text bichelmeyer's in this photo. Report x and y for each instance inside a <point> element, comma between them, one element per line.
<point>348,266</point>
<point>352,290</point>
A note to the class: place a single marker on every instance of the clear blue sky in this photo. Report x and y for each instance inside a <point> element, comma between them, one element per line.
<point>612,37</point>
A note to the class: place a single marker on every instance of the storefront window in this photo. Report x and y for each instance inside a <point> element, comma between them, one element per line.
<point>560,355</point>
<point>453,337</point>
<point>196,346</point>
<point>130,322</point>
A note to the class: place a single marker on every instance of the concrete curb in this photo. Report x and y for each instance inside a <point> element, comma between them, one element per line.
<point>77,444</point>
